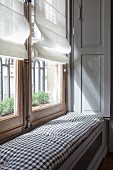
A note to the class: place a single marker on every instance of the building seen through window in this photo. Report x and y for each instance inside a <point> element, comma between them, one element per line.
<point>46,83</point>
<point>7,86</point>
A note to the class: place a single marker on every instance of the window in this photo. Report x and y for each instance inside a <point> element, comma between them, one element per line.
<point>48,99</point>
<point>14,31</point>
<point>48,77</point>
<point>46,82</point>
<point>54,82</point>
<point>32,73</point>
<point>7,84</point>
<point>38,76</point>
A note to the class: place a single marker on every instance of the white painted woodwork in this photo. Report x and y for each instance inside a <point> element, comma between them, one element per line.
<point>92,56</point>
<point>92,80</point>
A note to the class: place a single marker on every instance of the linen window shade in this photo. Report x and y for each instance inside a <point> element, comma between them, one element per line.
<point>51,21</point>
<point>14,29</point>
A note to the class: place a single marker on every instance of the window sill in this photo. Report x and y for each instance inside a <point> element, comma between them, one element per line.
<point>9,116</point>
<point>39,113</point>
<point>43,106</point>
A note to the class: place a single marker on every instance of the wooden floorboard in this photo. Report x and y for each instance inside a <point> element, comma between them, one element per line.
<point>107,163</point>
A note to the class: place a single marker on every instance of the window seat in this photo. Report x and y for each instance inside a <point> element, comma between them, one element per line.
<point>46,147</point>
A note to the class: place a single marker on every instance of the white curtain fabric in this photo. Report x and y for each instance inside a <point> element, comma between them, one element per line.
<point>14,29</point>
<point>45,53</point>
<point>51,21</point>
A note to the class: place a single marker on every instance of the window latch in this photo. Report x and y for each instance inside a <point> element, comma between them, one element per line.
<point>27,61</point>
<point>79,12</point>
<point>28,1</point>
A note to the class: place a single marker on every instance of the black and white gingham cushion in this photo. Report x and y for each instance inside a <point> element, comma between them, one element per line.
<point>48,146</point>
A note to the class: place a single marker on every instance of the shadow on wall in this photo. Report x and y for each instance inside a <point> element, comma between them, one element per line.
<point>89,79</point>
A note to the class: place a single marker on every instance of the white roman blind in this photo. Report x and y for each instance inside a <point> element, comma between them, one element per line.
<point>50,19</point>
<point>14,29</point>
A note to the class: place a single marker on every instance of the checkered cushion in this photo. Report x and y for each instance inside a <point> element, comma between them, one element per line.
<point>46,147</point>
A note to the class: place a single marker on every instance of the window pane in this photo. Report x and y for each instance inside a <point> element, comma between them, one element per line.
<point>46,83</point>
<point>53,80</point>
<point>47,77</point>
<point>7,87</point>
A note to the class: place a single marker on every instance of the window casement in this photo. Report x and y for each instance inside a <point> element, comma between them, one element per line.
<point>39,64</point>
<point>14,31</point>
<point>14,120</point>
<point>56,105</point>
<point>49,22</point>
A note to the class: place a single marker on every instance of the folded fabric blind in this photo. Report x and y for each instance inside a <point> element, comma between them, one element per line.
<point>51,21</point>
<point>14,29</point>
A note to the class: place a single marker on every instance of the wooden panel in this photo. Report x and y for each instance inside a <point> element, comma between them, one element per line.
<point>91,23</point>
<point>91,83</point>
<point>91,33</point>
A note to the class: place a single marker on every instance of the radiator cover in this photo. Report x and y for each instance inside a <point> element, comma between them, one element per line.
<point>86,159</point>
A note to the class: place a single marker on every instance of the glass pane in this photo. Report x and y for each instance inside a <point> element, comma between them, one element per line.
<point>54,82</point>
<point>7,87</point>
<point>47,77</point>
<point>47,82</point>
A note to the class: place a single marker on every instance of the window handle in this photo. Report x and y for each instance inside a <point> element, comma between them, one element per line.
<point>79,12</point>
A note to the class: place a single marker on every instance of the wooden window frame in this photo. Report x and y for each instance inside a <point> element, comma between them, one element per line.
<point>10,125</point>
<point>42,115</point>
<point>16,124</point>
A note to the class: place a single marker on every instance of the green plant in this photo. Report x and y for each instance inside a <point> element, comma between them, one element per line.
<point>43,97</point>
<point>40,97</point>
<point>7,106</point>
<point>35,99</point>
<point>1,107</point>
